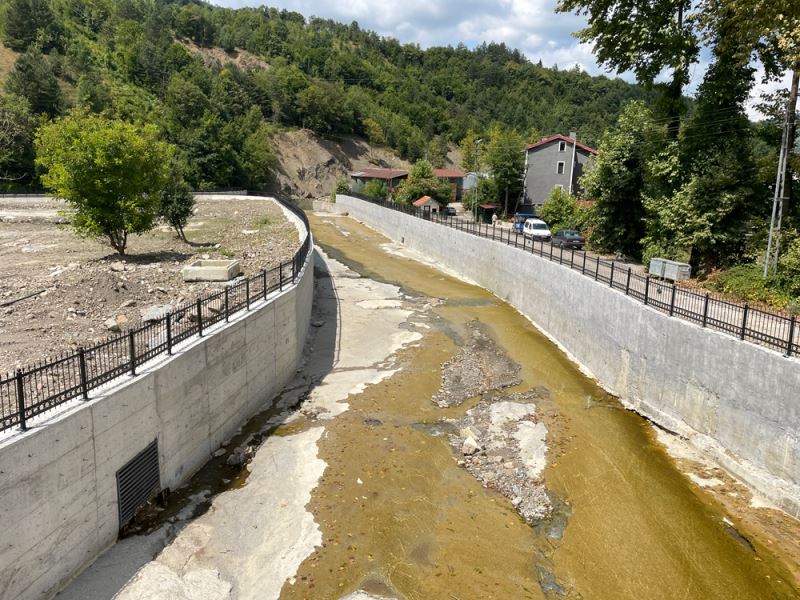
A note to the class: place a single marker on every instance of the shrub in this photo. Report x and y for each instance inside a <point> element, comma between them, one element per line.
<point>342,186</point>
<point>376,188</point>
<point>747,283</point>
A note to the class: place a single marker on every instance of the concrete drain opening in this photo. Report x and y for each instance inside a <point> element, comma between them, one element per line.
<point>138,481</point>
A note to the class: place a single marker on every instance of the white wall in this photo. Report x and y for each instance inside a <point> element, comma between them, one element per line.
<point>58,496</point>
<point>737,401</point>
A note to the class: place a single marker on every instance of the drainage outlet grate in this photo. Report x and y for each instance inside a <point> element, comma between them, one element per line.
<point>137,482</point>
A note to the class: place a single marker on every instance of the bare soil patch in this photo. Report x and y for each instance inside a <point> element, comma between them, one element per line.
<point>69,288</point>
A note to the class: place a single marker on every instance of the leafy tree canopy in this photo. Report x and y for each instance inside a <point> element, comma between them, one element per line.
<point>111,174</point>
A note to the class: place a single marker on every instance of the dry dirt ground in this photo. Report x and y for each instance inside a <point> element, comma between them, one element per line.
<point>79,284</point>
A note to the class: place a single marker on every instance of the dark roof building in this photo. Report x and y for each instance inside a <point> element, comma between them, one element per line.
<point>555,161</point>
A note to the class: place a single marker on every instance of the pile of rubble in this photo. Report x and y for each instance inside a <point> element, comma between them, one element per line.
<point>478,367</point>
<point>503,446</point>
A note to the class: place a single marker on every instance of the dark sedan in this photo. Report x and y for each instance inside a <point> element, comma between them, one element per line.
<point>569,238</point>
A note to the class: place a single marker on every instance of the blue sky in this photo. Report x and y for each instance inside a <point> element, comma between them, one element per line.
<point>532,26</point>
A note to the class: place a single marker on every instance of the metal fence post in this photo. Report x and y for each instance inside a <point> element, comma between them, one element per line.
<point>561,255</point>
<point>646,288</point>
<point>744,321</point>
<point>294,270</point>
<point>705,310</point>
<point>82,370</point>
<point>583,268</point>
<point>132,352</point>
<point>199,318</point>
<point>168,320</point>
<point>572,258</point>
<point>21,401</point>
<point>672,300</point>
<point>523,243</point>
<point>227,305</point>
<point>264,282</point>
<point>628,282</point>
<point>280,268</point>
<point>247,292</point>
<point>790,344</point>
<point>597,268</point>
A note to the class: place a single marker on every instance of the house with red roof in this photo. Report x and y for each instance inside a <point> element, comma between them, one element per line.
<point>555,161</point>
<point>428,205</point>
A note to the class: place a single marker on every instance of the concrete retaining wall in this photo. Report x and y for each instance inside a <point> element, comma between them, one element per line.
<point>736,401</point>
<point>58,496</point>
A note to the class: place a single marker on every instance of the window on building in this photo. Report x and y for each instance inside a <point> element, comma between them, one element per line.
<point>562,146</point>
<point>560,167</point>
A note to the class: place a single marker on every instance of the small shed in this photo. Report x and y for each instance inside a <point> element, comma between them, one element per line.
<point>428,205</point>
<point>485,212</point>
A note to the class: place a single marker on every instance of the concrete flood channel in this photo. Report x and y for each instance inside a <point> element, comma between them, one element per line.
<point>362,490</point>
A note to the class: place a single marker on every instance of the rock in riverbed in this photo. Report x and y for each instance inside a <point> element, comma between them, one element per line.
<point>479,366</point>
<point>503,446</point>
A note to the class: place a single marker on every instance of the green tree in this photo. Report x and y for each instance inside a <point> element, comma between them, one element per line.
<point>32,78</point>
<point>258,159</point>
<point>421,182</point>
<point>29,21</point>
<point>618,178</point>
<point>644,37</point>
<point>562,211</point>
<point>177,200</point>
<point>374,131</point>
<point>17,126</point>
<point>437,151</point>
<point>506,160</point>
<point>712,172</point>
<point>470,159</point>
<point>111,174</point>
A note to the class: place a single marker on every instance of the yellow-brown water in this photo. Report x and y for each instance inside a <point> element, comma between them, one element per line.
<point>398,515</point>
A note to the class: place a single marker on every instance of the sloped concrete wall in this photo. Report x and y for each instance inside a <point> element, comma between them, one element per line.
<point>58,495</point>
<point>736,401</point>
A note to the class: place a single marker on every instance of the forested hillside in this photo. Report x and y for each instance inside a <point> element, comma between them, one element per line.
<point>219,82</point>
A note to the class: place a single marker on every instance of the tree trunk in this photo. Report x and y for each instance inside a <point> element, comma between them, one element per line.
<point>791,106</point>
<point>674,95</point>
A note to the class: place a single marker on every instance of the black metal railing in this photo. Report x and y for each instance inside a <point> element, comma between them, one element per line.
<point>72,375</point>
<point>774,329</point>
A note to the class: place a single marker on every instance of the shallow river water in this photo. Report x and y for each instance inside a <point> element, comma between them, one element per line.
<point>400,518</point>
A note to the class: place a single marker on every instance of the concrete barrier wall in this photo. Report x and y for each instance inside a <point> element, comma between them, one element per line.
<point>58,494</point>
<point>734,400</point>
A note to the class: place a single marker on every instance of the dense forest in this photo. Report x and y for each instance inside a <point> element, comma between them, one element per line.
<point>143,61</point>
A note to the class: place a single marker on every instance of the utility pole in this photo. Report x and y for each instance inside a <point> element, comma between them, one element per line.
<point>477,180</point>
<point>773,244</point>
<point>788,191</point>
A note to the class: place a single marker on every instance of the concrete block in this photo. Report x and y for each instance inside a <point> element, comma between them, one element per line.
<point>211,270</point>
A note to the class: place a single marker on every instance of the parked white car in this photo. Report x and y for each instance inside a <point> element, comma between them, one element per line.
<point>537,230</point>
